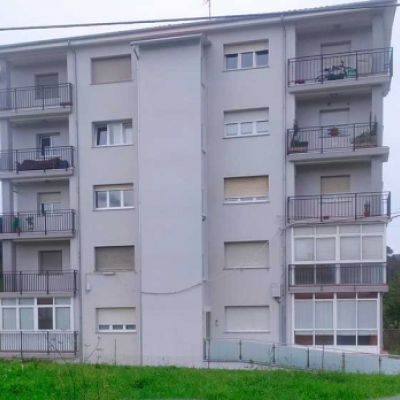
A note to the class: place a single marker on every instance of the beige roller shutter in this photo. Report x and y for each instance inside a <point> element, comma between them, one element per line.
<point>247,254</point>
<point>110,316</point>
<point>335,184</point>
<point>111,69</point>
<point>114,258</point>
<point>245,47</point>
<point>246,187</point>
<point>247,318</point>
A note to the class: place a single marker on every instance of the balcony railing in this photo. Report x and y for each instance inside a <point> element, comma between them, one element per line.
<point>39,342</point>
<point>324,68</point>
<point>324,139</point>
<point>37,159</point>
<point>39,97</point>
<point>323,208</point>
<point>45,222</point>
<point>43,282</point>
<point>366,274</point>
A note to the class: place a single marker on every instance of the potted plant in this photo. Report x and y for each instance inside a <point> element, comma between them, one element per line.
<point>367,209</point>
<point>367,138</point>
<point>333,132</point>
<point>296,144</point>
<point>29,221</point>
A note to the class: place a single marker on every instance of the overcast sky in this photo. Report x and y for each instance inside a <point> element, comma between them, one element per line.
<point>38,12</point>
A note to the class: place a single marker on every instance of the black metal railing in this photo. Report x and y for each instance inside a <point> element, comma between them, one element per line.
<point>325,207</point>
<point>39,342</point>
<point>367,274</point>
<point>324,68</point>
<point>26,221</point>
<point>40,97</point>
<point>44,282</point>
<point>37,159</point>
<point>324,139</point>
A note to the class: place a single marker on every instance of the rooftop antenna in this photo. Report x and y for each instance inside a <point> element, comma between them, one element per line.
<point>209,7</point>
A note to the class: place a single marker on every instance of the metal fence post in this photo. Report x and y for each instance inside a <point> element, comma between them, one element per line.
<point>20,282</point>
<point>20,344</point>
<point>47,342</point>
<point>273,354</point>
<point>240,349</point>
<point>47,282</point>
<point>343,361</point>
<point>75,282</point>
<point>308,358</point>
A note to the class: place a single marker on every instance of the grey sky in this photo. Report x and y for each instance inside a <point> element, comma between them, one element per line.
<point>23,12</point>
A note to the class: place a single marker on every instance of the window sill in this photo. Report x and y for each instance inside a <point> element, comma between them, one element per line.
<point>114,272</point>
<point>246,69</point>
<point>110,83</point>
<point>246,136</point>
<point>243,331</point>
<point>112,145</point>
<point>245,268</point>
<point>229,203</point>
<point>114,209</point>
<point>118,332</point>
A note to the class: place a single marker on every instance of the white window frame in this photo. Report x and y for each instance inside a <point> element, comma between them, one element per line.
<point>247,200</point>
<point>35,307</point>
<point>109,328</point>
<point>239,60</point>
<point>240,133</point>
<point>107,125</point>
<point>107,189</point>
<point>335,330</point>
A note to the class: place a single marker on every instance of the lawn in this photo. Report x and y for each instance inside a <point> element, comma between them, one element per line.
<point>46,380</point>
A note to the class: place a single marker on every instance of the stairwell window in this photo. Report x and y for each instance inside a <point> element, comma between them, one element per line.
<point>118,319</point>
<point>240,123</point>
<point>113,133</point>
<point>113,197</point>
<point>246,55</point>
<point>248,189</point>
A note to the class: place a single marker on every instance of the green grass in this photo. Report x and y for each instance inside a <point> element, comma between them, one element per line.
<point>47,381</point>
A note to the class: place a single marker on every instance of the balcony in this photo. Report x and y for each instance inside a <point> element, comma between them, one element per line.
<point>49,161</point>
<point>39,342</point>
<point>36,99</point>
<point>25,224</point>
<point>39,282</point>
<point>338,207</point>
<point>328,275</point>
<point>340,68</point>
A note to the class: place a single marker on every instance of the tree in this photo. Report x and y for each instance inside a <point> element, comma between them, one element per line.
<point>391,299</point>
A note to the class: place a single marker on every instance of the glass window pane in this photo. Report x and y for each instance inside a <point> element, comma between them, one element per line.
<point>101,139</point>
<point>45,300</point>
<point>346,338</point>
<point>346,314</point>
<point>8,302</point>
<point>103,327</point>
<point>45,318</point>
<point>262,58</point>
<point>247,60</point>
<point>110,128</point>
<point>101,199</point>
<point>350,248</point>
<point>325,249</point>
<point>303,314</point>
<point>262,126</point>
<point>304,249</point>
<point>231,129</point>
<point>115,198</point>
<point>127,133</point>
<point>324,315</point>
<point>26,301</point>
<point>349,229</point>
<point>118,327</point>
<point>246,128</point>
<point>63,318</point>
<point>326,230</point>
<point>367,314</point>
<point>9,318</point>
<point>62,300</point>
<point>231,61</point>
<point>116,135</point>
<point>372,248</point>
<point>128,198</point>
<point>26,318</point>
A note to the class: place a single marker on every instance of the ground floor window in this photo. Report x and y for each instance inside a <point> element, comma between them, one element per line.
<point>41,313</point>
<point>336,319</point>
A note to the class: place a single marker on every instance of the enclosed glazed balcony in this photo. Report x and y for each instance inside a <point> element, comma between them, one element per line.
<point>337,207</point>
<point>34,224</point>
<point>48,161</point>
<point>346,274</point>
<point>49,281</point>
<point>332,138</point>
<point>340,67</point>
<point>54,97</point>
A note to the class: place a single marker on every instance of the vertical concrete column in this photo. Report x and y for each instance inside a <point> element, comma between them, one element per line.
<point>9,261</point>
<point>376,174</point>
<point>377,112</point>
<point>378,32</point>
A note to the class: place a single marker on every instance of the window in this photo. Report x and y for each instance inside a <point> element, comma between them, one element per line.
<point>113,196</point>
<point>246,55</point>
<point>335,184</point>
<point>114,258</point>
<point>116,319</point>
<point>42,313</point>
<point>50,261</point>
<point>247,254</point>
<point>246,122</point>
<point>49,202</point>
<point>113,134</point>
<point>47,86</point>
<point>247,318</point>
<point>111,69</point>
<point>353,324</point>
<point>246,189</point>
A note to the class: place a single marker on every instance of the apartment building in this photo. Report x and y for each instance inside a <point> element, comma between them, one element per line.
<point>217,179</point>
